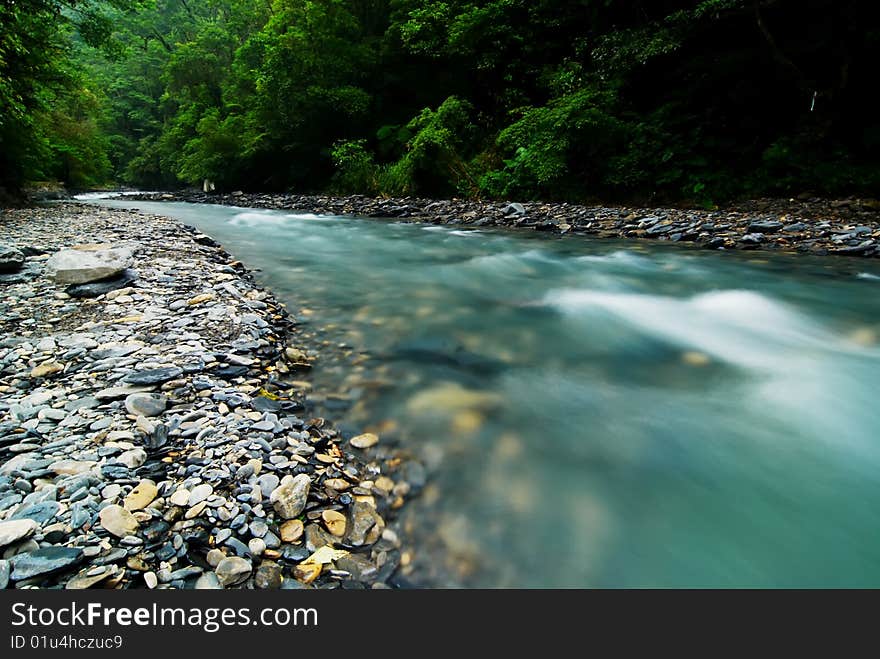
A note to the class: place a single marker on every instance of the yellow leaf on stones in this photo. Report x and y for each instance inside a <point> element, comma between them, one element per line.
<point>198,299</point>
<point>267,394</point>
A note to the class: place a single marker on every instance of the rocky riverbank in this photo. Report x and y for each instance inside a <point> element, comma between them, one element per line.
<point>846,227</point>
<point>154,430</point>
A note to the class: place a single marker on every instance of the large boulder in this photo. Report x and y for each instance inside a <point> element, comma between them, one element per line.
<point>86,263</point>
<point>11,259</point>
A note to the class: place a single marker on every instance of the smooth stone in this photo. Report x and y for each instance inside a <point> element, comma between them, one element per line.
<point>151,580</point>
<point>111,491</point>
<point>153,376</point>
<point>146,404</point>
<point>289,499</point>
<point>364,441</point>
<point>233,570</point>
<point>214,557</point>
<point>44,561</point>
<point>267,483</point>
<point>180,497</point>
<point>208,581</point>
<point>256,546</point>
<point>16,529</point>
<point>132,458</point>
<point>72,467</point>
<point>118,521</point>
<point>199,493</point>
<point>155,531</point>
<point>5,570</point>
<point>335,522</point>
<point>291,531</point>
<point>141,496</point>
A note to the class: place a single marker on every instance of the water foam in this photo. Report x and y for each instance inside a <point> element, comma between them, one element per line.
<point>736,326</point>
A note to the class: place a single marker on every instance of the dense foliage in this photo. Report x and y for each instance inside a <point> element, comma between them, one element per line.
<point>694,100</point>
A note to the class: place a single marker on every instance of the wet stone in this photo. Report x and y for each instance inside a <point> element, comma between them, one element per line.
<point>44,561</point>
<point>153,376</point>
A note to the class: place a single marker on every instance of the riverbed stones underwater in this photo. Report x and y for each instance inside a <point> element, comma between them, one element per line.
<point>149,436</point>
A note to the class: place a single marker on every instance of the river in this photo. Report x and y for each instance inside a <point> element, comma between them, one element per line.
<point>594,413</point>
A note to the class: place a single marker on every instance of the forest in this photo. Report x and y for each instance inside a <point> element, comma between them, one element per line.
<point>576,100</point>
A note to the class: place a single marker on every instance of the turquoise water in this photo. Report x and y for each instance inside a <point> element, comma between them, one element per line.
<point>595,413</point>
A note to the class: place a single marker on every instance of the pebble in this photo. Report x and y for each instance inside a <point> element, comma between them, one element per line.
<point>334,522</point>
<point>150,436</point>
<point>15,530</point>
<point>43,561</point>
<point>232,570</point>
<point>199,493</point>
<point>289,499</point>
<point>268,576</point>
<point>180,497</point>
<point>118,521</point>
<point>364,441</point>
<point>141,495</point>
<point>214,557</point>
<point>292,530</point>
<point>257,546</point>
<point>145,404</point>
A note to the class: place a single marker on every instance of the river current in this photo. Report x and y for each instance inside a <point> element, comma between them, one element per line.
<point>594,413</point>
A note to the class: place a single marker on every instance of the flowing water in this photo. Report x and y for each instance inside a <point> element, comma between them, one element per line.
<point>595,413</point>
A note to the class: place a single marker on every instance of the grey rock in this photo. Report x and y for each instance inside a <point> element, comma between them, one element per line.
<point>289,499</point>
<point>5,569</point>
<point>765,227</point>
<point>199,493</point>
<point>267,483</point>
<point>78,266</point>
<point>514,208</point>
<point>44,561</point>
<point>145,404</point>
<point>11,259</point>
<point>17,529</point>
<point>103,286</point>
<point>233,570</point>
<point>153,375</point>
<point>41,512</point>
